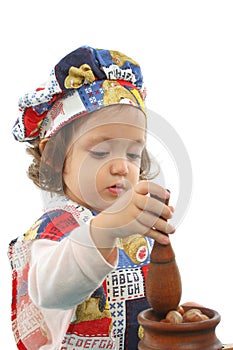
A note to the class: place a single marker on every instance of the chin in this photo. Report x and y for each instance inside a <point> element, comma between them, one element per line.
<point>103,206</point>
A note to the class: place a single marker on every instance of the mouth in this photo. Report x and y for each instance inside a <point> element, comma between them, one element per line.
<point>116,189</point>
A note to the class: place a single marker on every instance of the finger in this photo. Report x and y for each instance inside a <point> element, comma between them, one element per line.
<point>153,206</point>
<point>158,236</point>
<point>149,220</point>
<point>163,226</point>
<point>145,187</point>
<point>171,208</point>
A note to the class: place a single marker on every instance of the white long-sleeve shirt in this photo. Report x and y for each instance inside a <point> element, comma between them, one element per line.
<point>50,286</point>
<point>54,290</point>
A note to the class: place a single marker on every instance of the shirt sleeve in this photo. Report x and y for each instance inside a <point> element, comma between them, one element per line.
<point>64,274</point>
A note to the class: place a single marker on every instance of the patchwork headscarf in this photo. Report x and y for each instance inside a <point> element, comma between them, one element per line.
<point>85,80</point>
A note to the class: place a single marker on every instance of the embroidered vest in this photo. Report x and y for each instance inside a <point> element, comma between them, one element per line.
<point>108,319</point>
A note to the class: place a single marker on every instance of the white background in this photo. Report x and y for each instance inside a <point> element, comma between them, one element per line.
<point>185,51</point>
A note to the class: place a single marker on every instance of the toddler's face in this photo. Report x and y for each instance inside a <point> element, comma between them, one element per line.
<point>104,159</point>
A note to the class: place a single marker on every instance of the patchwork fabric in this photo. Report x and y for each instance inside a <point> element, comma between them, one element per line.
<point>54,225</point>
<point>108,319</point>
<point>85,80</point>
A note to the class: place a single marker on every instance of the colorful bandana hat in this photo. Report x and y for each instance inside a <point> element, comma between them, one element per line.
<point>85,80</point>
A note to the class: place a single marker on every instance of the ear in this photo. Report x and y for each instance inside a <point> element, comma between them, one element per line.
<point>42,145</point>
<point>46,157</point>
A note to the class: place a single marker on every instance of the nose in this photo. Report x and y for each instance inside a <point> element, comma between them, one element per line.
<point>119,166</point>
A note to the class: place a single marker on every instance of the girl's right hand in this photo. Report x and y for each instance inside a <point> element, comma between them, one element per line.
<point>134,212</point>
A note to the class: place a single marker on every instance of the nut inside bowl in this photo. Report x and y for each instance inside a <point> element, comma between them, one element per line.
<point>187,335</point>
<point>214,318</point>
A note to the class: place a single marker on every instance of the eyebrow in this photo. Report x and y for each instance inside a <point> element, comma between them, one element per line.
<point>99,139</point>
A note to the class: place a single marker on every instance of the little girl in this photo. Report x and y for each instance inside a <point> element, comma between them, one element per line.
<point>79,272</point>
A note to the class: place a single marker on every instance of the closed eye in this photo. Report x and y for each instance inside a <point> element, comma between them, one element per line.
<point>133,156</point>
<point>99,154</point>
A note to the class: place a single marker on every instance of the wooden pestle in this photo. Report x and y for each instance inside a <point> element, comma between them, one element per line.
<point>163,281</point>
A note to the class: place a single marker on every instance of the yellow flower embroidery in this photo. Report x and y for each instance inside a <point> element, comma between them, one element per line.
<point>120,58</point>
<point>79,76</point>
<point>114,93</point>
<point>89,310</point>
<point>135,246</point>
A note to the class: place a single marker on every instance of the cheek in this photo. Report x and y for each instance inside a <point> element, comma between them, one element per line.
<point>134,167</point>
<point>89,173</point>
<point>74,166</point>
<point>100,175</point>
<point>134,173</point>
